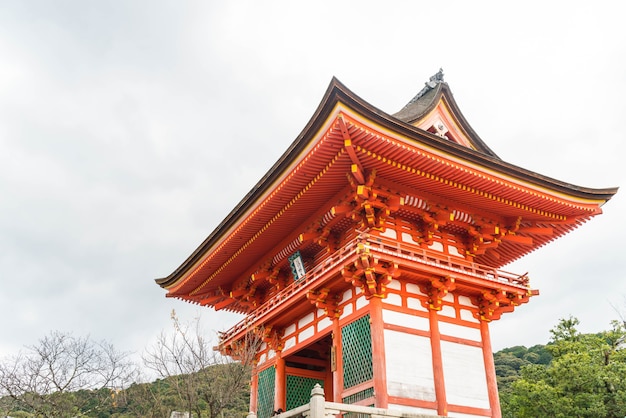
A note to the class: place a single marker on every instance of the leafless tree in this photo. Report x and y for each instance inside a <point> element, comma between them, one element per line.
<point>61,363</point>
<point>199,374</point>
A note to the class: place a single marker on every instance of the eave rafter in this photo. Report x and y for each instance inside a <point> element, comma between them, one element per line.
<point>372,143</point>
<point>259,232</point>
<point>462,185</point>
<point>493,303</point>
<point>356,167</point>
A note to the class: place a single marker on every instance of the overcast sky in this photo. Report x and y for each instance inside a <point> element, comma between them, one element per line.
<point>129,129</point>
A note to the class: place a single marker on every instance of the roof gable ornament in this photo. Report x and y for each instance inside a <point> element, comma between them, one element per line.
<point>429,85</point>
<point>433,109</point>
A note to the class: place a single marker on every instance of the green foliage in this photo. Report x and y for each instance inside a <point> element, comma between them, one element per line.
<point>583,379</point>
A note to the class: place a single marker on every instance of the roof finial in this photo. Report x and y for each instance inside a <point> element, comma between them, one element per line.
<point>435,79</point>
<point>429,85</point>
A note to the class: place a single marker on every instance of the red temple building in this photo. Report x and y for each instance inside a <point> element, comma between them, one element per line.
<point>369,257</point>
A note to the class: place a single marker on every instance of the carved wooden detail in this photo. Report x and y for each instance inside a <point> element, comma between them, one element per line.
<point>322,299</point>
<point>436,290</point>
<point>492,304</point>
<point>370,273</point>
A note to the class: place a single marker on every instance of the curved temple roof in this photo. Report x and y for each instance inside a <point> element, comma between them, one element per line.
<point>427,148</point>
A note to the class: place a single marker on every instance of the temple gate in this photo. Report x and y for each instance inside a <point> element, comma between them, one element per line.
<point>369,258</point>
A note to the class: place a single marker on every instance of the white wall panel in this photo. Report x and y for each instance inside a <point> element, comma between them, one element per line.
<point>412,409</point>
<point>447,310</point>
<point>405,320</point>
<point>468,315</point>
<point>324,323</point>
<point>465,301</point>
<point>395,284</point>
<point>459,331</point>
<point>413,288</point>
<point>361,302</point>
<point>409,366</point>
<point>290,330</point>
<point>464,375</point>
<point>305,320</point>
<point>290,343</point>
<point>347,310</point>
<point>306,334</point>
<point>393,299</point>
<point>416,304</point>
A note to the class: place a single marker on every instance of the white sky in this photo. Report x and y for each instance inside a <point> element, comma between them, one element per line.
<point>128,130</point>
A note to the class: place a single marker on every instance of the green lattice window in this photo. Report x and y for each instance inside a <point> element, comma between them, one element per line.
<point>265,392</point>
<point>359,396</point>
<point>299,390</point>
<point>356,341</point>
<point>356,397</point>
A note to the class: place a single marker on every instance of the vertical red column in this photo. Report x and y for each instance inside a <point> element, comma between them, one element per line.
<point>254,385</point>
<point>378,353</point>
<point>490,371</point>
<point>337,362</point>
<point>435,344</point>
<point>280,390</point>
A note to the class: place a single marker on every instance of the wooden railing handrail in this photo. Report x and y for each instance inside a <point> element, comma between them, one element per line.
<point>319,408</point>
<point>380,245</point>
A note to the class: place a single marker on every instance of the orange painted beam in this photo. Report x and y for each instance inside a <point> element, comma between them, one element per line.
<point>518,239</point>
<point>221,305</point>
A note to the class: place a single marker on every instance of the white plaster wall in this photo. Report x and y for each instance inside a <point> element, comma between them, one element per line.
<point>460,415</point>
<point>393,299</point>
<point>467,315</point>
<point>324,323</point>
<point>409,366</point>
<point>416,304</point>
<point>412,409</point>
<point>361,302</point>
<point>290,329</point>
<point>395,284</point>
<point>464,375</point>
<point>405,320</point>
<point>289,343</point>
<point>305,320</point>
<point>413,288</point>
<point>459,331</point>
<point>347,310</point>
<point>447,310</point>
<point>307,333</point>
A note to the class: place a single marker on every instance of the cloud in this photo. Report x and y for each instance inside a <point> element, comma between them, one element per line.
<point>129,131</point>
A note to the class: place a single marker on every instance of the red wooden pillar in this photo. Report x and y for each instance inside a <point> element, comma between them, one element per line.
<point>280,390</point>
<point>435,343</point>
<point>490,371</point>
<point>378,353</point>
<point>337,362</point>
<point>254,390</point>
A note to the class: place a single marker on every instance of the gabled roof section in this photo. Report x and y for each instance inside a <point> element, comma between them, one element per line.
<point>434,109</point>
<point>313,170</point>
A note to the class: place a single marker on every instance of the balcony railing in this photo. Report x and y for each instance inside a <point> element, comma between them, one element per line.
<point>319,408</point>
<point>428,258</point>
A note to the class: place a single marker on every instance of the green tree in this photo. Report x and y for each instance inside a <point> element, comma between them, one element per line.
<point>584,378</point>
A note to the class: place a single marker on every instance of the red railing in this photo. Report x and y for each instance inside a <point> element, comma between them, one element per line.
<point>415,253</point>
<point>376,245</point>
